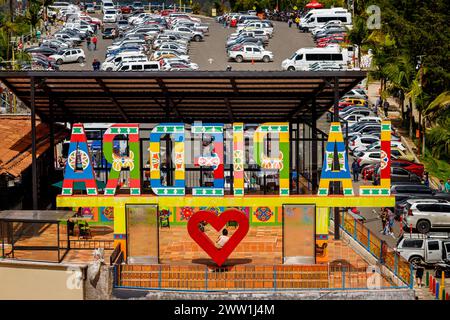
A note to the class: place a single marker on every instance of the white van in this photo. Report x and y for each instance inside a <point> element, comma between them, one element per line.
<point>139,66</point>
<point>303,58</point>
<point>112,62</point>
<point>321,18</point>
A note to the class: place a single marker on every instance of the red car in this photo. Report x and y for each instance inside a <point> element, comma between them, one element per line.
<point>334,36</point>
<point>332,41</point>
<point>368,171</point>
<point>416,168</point>
<point>126,9</point>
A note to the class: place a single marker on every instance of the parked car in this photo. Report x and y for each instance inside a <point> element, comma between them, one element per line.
<point>250,53</point>
<point>417,248</point>
<point>126,8</point>
<point>46,51</point>
<point>416,168</point>
<point>69,55</point>
<point>356,143</point>
<point>352,101</point>
<point>356,94</point>
<point>111,16</point>
<point>401,155</point>
<point>426,216</point>
<point>137,6</point>
<point>110,32</point>
<point>139,66</point>
<point>398,175</point>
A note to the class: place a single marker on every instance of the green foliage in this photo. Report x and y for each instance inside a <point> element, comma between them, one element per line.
<point>196,7</point>
<point>437,168</point>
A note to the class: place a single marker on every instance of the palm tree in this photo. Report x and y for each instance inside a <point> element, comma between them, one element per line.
<point>438,138</point>
<point>33,15</point>
<point>358,35</point>
<point>46,4</point>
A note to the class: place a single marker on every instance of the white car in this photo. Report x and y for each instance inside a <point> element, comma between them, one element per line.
<point>377,145</point>
<point>360,143</point>
<point>168,44</point>
<point>174,47</point>
<point>352,119</point>
<point>171,63</point>
<point>425,216</point>
<point>69,55</point>
<point>110,16</point>
<point>165,53</point>
<point>106,5</point>
<point>314,31</point>
<point>369,157</point>
<point>250,53</point>
<point>356,94</point>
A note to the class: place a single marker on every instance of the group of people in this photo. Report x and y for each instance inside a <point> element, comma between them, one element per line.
<point>91,43</point>
<point>294,18</point>
<point>387,222</point>
<point>381,104</point>
<point>444,187</point>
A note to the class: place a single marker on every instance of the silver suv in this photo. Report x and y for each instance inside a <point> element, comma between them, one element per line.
<point>427,216</point>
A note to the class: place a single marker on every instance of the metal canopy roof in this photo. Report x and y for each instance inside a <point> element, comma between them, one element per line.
<point>42,216</point>
<point>215,96</point>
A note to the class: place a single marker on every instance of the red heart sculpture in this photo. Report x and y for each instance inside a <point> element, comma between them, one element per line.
<point>218,222</point>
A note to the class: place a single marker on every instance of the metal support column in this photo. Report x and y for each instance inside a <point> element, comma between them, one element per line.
<point>337,221</point>
<point>297,155</point>
<point>52,152</point>
<point>34,179</point>
<point>314,174</point>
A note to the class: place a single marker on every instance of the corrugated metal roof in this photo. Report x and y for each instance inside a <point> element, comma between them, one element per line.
<point>248,96</point>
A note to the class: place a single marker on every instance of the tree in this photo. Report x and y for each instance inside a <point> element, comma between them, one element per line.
<point>358,35</point>
<point>33,15</point>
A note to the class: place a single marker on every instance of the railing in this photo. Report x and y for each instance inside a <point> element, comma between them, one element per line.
<point>244,277</point>
<point>88,244</point>
<point>378,248</point>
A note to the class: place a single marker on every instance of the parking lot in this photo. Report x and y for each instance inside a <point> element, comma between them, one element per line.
<point>210,54</point>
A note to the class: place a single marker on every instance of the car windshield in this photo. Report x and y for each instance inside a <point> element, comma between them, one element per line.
<point>123,22</point>
<point>61,52</point>
<point>110,12</point>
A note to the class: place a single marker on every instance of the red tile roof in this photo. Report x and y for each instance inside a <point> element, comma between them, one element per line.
<point>15,142</point>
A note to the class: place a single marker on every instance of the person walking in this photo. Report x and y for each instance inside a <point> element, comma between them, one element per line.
<point>94,42</point>
<point>290,22</point>
<point>88,43</point>
<point>96,65</point>
<point>441,186</point>
<point>386,108</point>
<point>447,186</point>
<point>355,170</point>
<point>297,21</point>
<point>391,218</point>
<point>426,179</point>
<point>383,217</point>
<point>419,274</point>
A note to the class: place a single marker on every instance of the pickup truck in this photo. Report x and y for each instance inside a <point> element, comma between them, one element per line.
<point>429,249</point>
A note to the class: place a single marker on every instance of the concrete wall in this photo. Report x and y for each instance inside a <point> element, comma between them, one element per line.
<point>385,294</point>
<point>38,281</point>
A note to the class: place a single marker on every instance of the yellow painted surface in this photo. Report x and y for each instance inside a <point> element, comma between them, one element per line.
<point>322,220</point>
<point>119,201</point>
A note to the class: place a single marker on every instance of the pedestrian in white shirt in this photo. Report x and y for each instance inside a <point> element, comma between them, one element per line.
<point>222,239</point>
